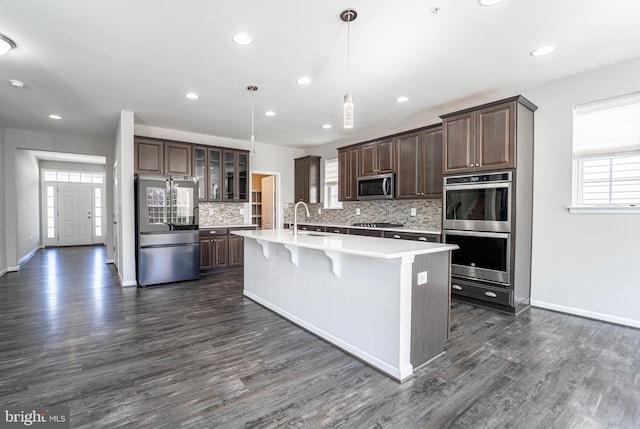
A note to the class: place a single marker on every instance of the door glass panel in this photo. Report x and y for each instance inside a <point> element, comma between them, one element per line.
<point>490,204</point>
<point>229,179</point>
<point>242,176</point>
<point>214,174</point>
<point>199,167</point>
<point>479,252</point>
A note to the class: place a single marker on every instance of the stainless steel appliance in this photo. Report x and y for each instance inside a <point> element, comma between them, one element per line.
<point>482,256</point>
<point>167,240</point>
<point>378,187</point>
<point>478,202</point>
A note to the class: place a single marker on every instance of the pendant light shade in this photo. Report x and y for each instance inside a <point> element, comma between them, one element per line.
<point>347,111</point>
<point>347,16</point>
<point>252,138</point>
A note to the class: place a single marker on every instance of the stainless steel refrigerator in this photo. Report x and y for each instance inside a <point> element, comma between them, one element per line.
<point>167,240</point>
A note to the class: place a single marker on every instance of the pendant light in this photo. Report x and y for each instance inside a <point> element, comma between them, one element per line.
<point>347,16</point>
<point>252,89</point>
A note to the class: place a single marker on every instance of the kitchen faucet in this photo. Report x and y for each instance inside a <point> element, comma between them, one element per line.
<point>295,216</point>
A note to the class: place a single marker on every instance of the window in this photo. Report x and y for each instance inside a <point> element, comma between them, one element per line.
<point>51,212</point>
<point>331,184</point>
<point>606,150</point>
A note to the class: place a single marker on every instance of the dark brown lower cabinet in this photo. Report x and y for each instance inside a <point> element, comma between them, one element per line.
<point>220,249</point>
<point>432,238</point>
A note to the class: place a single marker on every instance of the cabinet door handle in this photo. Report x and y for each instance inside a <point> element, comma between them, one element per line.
<point>477,165</point>
<point>319,229</point>
<point>456,287</point>
<point>337,231</point>
<point>471,165</point>
<point>422,238</point>
<point>490,294</point>
<point>396,236</point>
<point>213,232</point>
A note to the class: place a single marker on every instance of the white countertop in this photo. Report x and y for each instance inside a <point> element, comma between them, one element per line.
<point>352,244</point>
<point>395,229</point>
<point>240,225</point>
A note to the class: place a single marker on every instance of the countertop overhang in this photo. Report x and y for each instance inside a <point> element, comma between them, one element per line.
<point>373,247</point>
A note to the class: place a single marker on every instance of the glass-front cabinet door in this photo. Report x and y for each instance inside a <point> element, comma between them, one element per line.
<point>199,170</point>
<point>243,179</point>
<point>215,161</point>
<point>229,174</point>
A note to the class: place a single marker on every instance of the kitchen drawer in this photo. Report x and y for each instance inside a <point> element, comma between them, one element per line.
<point>336,230</point>
<point>213,232</point>
<point>431,238</point>
<point>483,293</point>
<point>366,232</point>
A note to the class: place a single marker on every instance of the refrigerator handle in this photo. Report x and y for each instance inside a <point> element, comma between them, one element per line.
<point>196,215</point>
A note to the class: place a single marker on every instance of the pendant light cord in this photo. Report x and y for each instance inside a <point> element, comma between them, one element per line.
<point>349,54</point>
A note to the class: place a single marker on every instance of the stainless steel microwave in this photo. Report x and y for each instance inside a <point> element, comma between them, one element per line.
<point>378,187</point>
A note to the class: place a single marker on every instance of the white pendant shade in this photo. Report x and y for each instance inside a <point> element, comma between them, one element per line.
<point>347,111</point>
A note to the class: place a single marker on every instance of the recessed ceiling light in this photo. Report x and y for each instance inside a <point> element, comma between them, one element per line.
<point>436,10</point>
<point>17,83</point>
<point>488,2</point>
<point>242,39</point>
<point>327,126</point>
<point>6,44</point>
<point>304,81</point>
<point>402,99</point>
<point>542,50</point>
<point>270,113</point>
<point>192,95</point>
<point>54,116</point>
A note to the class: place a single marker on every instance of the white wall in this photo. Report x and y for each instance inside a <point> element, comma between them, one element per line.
<point>16,242</point>
<point>124,155</point>
<point>3,180</point>
<point>27,180</point>
<point>584,264</point>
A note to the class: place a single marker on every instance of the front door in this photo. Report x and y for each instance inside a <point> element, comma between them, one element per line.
<point>75,214</point>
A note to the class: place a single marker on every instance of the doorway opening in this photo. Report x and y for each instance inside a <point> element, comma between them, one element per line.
<point>265,195</point>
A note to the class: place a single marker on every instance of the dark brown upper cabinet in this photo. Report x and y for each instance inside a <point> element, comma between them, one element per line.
<point>419,164</point>
<point>307,179</point>
<point>483,138</point>
<point>207,167</point>
<point>235,175</point>
<point>376,158</point>
<point>348,172</point>
<point>162,157</point>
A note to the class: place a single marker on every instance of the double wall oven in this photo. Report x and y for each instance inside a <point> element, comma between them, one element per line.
<point>477,216</point>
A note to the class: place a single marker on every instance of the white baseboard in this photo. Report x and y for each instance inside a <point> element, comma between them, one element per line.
<point>3,272</point>
<point>28,255</point>
<point>588,314</point>
<point>108,261</point>
<point>13,269</point>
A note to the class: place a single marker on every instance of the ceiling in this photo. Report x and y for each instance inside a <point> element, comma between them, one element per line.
<point>87,60</point>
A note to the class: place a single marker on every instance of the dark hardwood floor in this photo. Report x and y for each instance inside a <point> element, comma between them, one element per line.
<point>199,355</point>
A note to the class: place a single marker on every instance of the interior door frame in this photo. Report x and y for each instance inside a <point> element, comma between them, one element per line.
<point>279,224</point>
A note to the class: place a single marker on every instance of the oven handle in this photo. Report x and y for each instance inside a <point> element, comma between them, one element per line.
<point>477,233</point>
<point>485,185</point>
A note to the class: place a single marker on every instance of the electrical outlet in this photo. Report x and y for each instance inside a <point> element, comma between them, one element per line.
<point>413,211</point>
<point>241,211</point>
<point>319,211</point>
<point>357,212</point>
<point>422,277</point>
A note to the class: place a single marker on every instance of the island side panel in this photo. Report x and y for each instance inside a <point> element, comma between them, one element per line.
<point>430,307</point>
<point>366,311</point>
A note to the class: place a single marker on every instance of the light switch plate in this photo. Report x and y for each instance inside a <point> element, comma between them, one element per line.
<point>413,211</point>
<point>357,212</point>
<point>422,277</point>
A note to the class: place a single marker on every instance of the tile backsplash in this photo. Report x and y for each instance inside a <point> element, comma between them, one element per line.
<point>221,213</point>
<point>428,213</point>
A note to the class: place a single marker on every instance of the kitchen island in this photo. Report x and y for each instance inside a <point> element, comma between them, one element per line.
<point>384,301</point>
